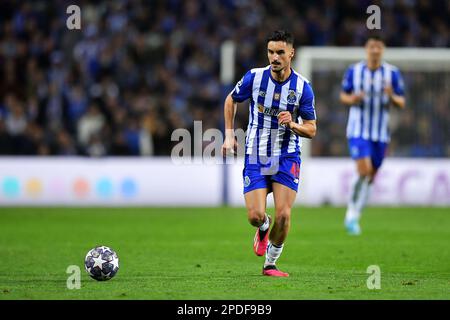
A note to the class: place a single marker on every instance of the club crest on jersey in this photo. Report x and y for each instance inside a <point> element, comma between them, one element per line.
<point>291,97</point>
<point>276,96</point>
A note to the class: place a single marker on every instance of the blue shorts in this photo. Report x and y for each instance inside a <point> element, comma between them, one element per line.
<point>262,173</point>
<point>362,148</point>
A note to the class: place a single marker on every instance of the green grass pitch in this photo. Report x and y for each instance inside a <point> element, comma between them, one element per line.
<point>206,253</point>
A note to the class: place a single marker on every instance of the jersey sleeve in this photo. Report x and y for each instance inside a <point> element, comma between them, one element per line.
<point>243,89</point>
<point>307,110</point>
<point>347,81</point>
<point>397,83</point>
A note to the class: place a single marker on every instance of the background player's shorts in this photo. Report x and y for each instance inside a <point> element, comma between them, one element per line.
<point>261,174</point>
<point>362,148</point>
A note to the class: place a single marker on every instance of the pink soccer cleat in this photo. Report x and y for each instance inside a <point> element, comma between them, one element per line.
<point>272,271</point>
<point>260,245</point>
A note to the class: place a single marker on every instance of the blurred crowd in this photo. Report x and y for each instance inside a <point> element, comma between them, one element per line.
<point>137,70</point>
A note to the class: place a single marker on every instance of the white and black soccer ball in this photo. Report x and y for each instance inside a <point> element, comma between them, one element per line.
<point>101,263</point>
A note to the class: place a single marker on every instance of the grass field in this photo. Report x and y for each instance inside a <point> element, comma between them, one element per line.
<point>206,253</point>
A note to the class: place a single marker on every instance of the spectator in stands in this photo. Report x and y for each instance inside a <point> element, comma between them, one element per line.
<point>90,124</point>
<point>138,61</point>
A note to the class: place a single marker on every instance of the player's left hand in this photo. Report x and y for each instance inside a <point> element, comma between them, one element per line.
<point>388,91</point>
<point>285,118</point>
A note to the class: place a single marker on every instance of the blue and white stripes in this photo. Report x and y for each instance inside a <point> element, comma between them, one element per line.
<point>264,136</point>
<point>369,120</point>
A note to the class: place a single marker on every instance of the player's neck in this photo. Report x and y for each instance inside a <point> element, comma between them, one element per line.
<point>282,75</point>
<point>373,64</point>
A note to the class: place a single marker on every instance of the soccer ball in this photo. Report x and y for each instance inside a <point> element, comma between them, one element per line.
<point>101,263</point>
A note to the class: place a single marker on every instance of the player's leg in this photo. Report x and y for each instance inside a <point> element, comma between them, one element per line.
<point>255,202</point>
<point>369,170</point>
<point>361,192</point>
<point>377,154</point>
<point>360,151</point>
<point>256,188</point>
<point>284,184</point>
<point>284,198</point>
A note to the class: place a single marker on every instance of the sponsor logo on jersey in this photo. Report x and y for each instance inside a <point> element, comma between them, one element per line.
<point>276,96</point>
<point>269,111</point>
<point>262,94</point>
<point>274,112</point>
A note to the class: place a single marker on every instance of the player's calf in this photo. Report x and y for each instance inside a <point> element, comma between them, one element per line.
<point>281,226</point>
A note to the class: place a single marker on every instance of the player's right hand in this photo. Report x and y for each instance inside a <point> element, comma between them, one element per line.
<point>229,146</point>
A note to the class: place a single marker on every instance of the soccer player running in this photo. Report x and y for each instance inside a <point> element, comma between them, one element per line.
<point>369,88</point>
<point>279,97</point>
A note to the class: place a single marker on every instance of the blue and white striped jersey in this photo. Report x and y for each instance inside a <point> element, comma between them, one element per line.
<point>267,99</point>
<point>370,119</point>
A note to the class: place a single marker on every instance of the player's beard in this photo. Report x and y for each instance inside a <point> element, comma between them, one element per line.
<point>278,68</point>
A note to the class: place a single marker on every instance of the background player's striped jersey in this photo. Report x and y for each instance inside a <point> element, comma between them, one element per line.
<point>370,119</point>
<point>267,99</point>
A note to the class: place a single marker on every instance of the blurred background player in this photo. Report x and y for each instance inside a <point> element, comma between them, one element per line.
<point>279,97</point>
<point>369,87</point>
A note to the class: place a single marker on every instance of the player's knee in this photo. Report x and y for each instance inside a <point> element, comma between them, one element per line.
<point>256,216</point>
<point>283,217</point>
<point>366,172</point>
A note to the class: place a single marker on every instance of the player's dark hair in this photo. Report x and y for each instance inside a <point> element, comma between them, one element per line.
<point>281,35</point>
<point>376,37</point>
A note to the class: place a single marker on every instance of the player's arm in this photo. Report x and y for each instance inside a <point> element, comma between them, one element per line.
<point>350,99</point>
<point>307,129</point>
<point>347,95</point>
<point>241,92</point>
<point>307,112</point>
<point>230,107</point>
<point>396,92</point>
<point>397,100</point>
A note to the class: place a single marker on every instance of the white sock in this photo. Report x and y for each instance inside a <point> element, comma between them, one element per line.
<point>266,224</point>
<point>364,195</point>
<point>273,252</point>
<point>353,211</point>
